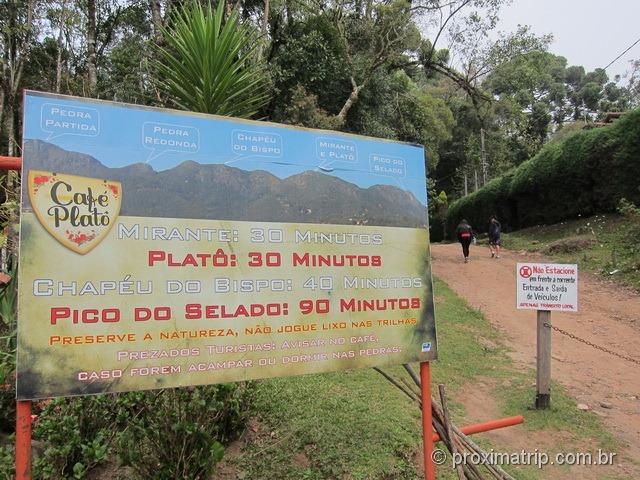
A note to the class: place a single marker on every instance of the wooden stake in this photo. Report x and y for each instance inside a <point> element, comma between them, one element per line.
<point>472,472</point>
<point>404,390</point>
<point>447,424</point>
<point>543,363</point>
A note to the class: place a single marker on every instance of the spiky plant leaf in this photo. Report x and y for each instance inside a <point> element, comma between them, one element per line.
<point>208,64</point>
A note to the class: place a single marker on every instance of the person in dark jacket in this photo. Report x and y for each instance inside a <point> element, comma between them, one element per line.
<point>464,232</point>
<point>494,236</point>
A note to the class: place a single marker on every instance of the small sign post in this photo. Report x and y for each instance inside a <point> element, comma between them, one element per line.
<point>543,360</point>
<point>546,287</point>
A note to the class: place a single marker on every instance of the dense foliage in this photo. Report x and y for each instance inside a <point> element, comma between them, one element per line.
<point>586,173</point>
<point>372,67</point>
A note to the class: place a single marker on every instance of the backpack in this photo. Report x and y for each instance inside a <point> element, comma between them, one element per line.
<point>465,231</point>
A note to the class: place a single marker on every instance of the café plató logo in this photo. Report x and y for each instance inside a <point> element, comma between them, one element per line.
<point>76,211</point>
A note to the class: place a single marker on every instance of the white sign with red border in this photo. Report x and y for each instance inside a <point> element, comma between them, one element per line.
<point>547,286</point>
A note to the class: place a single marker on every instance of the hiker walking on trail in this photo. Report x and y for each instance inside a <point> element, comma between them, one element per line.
<point>494,236</point>
<point>465,235</point>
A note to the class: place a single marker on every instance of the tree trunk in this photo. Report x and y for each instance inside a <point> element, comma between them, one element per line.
<point>156,17</point>
<point>13,66</point>
<point>265,30</point>
<point>265,20</point>
<point>368,9</point>
<point>11,134</point>
<point>353,98</point>
<point>287,6</point>
<point>358,7</point>
<point>63,19</point>
<point>2,98</point>
<point>91,46</point>
<point>59,63</point>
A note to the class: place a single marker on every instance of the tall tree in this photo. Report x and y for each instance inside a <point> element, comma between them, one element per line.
<point>60,44</point>
<point>156,18</point>
<point>18,28</point>
<point>92,58</point>
<point>383,34</point>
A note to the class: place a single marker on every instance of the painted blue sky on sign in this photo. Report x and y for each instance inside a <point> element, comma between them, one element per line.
<point>118,135</point>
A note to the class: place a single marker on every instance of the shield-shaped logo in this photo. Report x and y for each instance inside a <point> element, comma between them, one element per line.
<point>76,211</point>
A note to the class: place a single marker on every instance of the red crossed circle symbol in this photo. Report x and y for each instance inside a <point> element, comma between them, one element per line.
<point>525,271</point>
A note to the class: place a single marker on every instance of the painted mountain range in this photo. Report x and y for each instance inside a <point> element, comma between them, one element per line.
<point>221,192</point>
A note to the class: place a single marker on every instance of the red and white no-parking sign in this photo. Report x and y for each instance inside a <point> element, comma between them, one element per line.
<point>547,286</point>
<point>525,271</point>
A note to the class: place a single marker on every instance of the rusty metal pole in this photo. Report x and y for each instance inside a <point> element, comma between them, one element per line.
<point>23,407</point>
<point>23,440</point>
<point>427,421</point>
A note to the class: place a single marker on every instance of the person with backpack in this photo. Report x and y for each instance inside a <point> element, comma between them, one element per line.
<point>465,235</point>
<point>494,236</point>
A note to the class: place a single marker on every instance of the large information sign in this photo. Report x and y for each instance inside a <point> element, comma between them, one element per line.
<point>547,286</point>
<point>163,249</point>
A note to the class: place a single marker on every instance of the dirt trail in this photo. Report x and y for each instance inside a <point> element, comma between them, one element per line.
<point>608,315</point>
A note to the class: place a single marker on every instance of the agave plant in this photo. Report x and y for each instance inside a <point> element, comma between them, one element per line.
<point>209,64</point>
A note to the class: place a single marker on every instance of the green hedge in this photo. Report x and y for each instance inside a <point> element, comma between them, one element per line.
<point>585,174</point>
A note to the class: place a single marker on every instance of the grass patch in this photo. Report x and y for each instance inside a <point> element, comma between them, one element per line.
<point>562,416</point>
<point>468,346</point>
<point>604,244</point>
<point>355,425</point>
<point>346,423</point>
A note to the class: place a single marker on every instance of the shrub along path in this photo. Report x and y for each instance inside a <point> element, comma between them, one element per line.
<point>608,316</point>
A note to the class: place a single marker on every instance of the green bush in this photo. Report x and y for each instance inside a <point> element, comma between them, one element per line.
<point>181,432</point>
<point>76,433</point>
<point>628,210</point>
<point>7,463</point>
<point>7,407</point>
<point>438,206</point>
<point>478,206</point>
<point>161,434</point>
<point>587,173</point>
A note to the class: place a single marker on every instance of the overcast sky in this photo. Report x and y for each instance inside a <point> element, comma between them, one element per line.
<point>587,32</point>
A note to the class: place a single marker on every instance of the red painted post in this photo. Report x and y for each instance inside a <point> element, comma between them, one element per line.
<point>23,440</point>
<point>487,426</point>
<point>427,421</point>
<point>23,407</point>
<point>10,163</point>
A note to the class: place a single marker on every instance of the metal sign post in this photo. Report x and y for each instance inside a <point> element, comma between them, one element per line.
<point>427,421</point>
<point>23,440</point>
<point>23,407</point>
<point>545,287</point>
